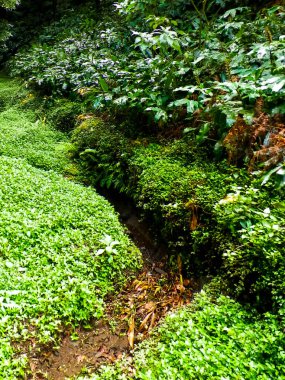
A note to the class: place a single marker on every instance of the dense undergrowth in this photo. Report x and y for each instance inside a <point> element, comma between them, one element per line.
<point>149,59</point>
<point>217,218</point>
<point>153,104</point>
<point>62,247</point>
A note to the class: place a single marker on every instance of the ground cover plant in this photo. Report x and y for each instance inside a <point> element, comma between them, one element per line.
<point>62,246</point>
<point>24,135</point>
<point>62,250</point>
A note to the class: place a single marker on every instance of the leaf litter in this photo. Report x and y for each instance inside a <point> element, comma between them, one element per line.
<point>129,318</point>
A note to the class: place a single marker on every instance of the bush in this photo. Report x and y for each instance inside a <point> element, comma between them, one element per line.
<point>255,263</point>
<point>238,235</point>
<point>170,183</point>
<point>159,63</point>
<point>104,151</point>
<point>178,193</point>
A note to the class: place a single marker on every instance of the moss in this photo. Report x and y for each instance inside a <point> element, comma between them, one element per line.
<point>104,151</point>
<point>62,114</point>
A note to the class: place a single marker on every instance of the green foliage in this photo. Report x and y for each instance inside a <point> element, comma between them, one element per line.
<point>62,114</point>
<point>103,150</point>
<point>172,189</point>
<point>24,137</point>
<point>9,3</point>
<point>168,182</point>
<point>74,52</point>
<point>62,246</point>
<point>5,27</point>
<point>167,67</point>
<point>255,263</point>
<point>9,91</point>
<point>149,60</point>
<point>11,367</point>
<point>39,144</point>
<point>52,268</point>
<point>238,234</point>
<point>216,340</point>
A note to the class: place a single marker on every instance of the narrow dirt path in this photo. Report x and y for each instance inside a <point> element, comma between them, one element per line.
<point>129,315</point>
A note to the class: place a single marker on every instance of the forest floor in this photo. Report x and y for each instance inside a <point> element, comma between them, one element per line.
<point>131,312</point>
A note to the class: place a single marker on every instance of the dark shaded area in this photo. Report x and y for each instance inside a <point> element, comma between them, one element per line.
<point>30,16</point>
<point>139,230</point>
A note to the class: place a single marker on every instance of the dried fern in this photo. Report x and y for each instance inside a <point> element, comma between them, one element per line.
<point>261,143</point>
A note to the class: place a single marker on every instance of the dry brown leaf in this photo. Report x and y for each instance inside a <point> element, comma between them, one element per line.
<point>152,322</point>
<point>100,353</point>
<point>33,366</point>
<point>144,322</point>
<point>150,306</point>
<point>81,358</point>
<point>131,331</point>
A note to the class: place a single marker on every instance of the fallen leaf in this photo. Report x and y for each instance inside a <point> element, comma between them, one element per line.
<point>131,331</point>
<point>152,322</point>
<point>144,322</point>
<point>150,306</point>
<point>81,358</point>
<point>100,352</point>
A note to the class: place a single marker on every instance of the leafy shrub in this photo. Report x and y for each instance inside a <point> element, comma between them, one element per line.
<point>188,204</point>
<point>255,262</point>
<point>216,340</point>
<point>179,194</point>
<point>75,51</point>
<point>62,250</point>
<point>170,182</point>
<point>150,60</point>
<point>212,66</point>
<point>104,151</point>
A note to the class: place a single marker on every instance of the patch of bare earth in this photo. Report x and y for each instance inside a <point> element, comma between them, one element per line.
<point>129,317</point>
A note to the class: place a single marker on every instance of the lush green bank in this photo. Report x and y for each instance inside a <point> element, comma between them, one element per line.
<point>159,94</point>
<point>164,100</point>
<point>62,246</point>
<point>218,218</point>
